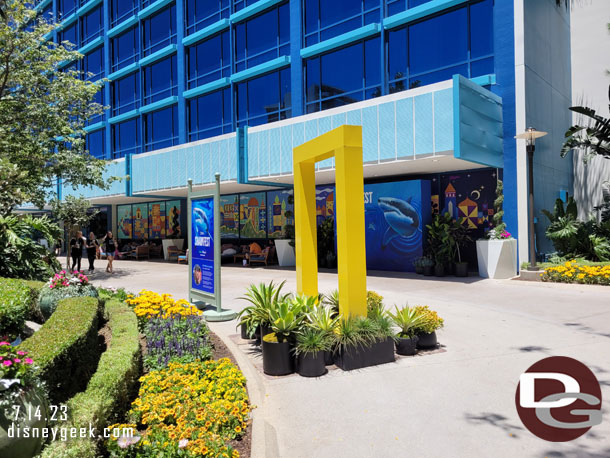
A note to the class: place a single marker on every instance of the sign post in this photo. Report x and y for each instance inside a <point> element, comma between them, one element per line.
<point>204,251</point>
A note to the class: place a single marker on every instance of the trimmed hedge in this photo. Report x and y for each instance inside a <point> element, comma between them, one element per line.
<point>112,387</point>
<point>66,347</point>
<point>18,302</point>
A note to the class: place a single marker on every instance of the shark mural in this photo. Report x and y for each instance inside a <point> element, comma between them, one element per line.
<point>401,216</point>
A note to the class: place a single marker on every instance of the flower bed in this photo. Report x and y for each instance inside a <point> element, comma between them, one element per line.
<point>149,304</point>
<point>192,409</point>
<point>61,286</point>
<point>573,272</point>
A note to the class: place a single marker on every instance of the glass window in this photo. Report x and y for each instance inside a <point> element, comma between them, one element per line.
<point>208,60</point>
<point>209,115</point>
<point>98,98</point>
<point>433,50</point>
<point>161,128</point>
<point>93,64</point>
<point>125,49</point>
<point>159,30</point>
<point>202,14</point>
<point>70,34</point>
<point>397,6</point>
<point>91,26</point>
<point>125,94</point>
<point>160,80</point>
<point>121,10</point>
<point>328,85</point>
<point>240,4</point>
<point>95,143</point>
<point>47,12</point>
<point>262,38</point>
<point>126,138</point>
<point>264,99</point>
<point>66,7</point>
<point>326,19</point>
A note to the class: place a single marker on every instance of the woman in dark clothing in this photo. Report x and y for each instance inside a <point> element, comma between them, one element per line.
<point>76,249</point>
<point>109,248</point>
<point>92,245</point>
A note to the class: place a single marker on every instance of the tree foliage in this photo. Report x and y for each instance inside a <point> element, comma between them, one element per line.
<point>43,111</point>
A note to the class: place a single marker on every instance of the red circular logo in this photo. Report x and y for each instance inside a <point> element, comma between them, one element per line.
<point>559,399</point>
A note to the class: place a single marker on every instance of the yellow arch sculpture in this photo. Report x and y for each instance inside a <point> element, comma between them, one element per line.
<point>345,145</point>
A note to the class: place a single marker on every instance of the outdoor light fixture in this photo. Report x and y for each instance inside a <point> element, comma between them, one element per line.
<point>530,135</point>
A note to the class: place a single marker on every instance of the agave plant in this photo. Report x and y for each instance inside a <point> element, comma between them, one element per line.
<point>408,320</point>
<point>323,319</point>
<point>263,298</point>
<point>287,319</point>
<point>332,300</point>
<point>307,303</point>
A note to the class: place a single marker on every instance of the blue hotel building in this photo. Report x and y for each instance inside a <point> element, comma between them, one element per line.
<point>440,88</point>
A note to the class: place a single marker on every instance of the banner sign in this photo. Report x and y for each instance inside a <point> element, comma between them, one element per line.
<point>202,243</point>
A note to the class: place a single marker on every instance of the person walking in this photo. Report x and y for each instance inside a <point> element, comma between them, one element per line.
<point>76,250</point>
<point>109,248</point>
<point>92,247</point>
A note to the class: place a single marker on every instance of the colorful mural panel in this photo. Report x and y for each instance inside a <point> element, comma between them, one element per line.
<point>253,215</point>
<point>278,206</point>
<point>124,221</point>
<point>395,217</point>
<point>325,203</point>
<point>156,220</point>
<point>173,212</point>
<point>140,221</point>
<point>229,216</point>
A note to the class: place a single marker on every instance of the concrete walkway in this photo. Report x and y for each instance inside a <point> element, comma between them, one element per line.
<point>458,403</point>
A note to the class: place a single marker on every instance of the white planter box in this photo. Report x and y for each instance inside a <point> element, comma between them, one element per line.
<point>178,243</point>
<point>497,258</point>
<point>285,253</point>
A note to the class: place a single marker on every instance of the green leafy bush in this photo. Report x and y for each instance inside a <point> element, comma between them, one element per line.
<point>18,302</point>
<point>111,388</point>
<point>66,347</point>
<point>49,298</point>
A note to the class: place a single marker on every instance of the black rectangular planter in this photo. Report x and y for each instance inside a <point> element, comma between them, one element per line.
<point>358,357</point>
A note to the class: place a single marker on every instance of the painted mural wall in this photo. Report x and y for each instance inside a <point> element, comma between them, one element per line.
<point>279,204</point>
<point>253,215</point>
<point>150,220</point>
<point>229,216</point>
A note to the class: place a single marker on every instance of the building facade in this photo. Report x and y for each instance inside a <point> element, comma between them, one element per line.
<point>440,88</point>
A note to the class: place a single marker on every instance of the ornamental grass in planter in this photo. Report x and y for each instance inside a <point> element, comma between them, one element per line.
<point>311,347</point>
<point>325,320</point>
<point>426,328</point>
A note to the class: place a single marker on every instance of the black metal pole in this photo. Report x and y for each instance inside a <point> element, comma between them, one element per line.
<point>532,235</point>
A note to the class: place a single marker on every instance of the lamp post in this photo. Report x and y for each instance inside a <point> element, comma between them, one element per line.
<point>530,135</point>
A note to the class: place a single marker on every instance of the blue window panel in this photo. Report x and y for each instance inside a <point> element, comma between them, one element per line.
<point>161,128</point>
<point>99,99</point>
<point>96,143</point>
<point>66,7</point>
<point>93,65</point>
<point>208,61</point>
<point>125,94</point>
<point>126,138</point>
<point>397,6</point>
<point>387,131</point>
<point>253,154</point>
<point>370,135</point>
<point>241,4</point>
<point>69,34</point>
<point>121,10</point>
<point>443,120</point>
<point>125,49</point>
<point>275,151</point>
<point>160,80</point>
<point>91,25</point>
<point>263,153</point>
<point>481,29</point>
<point>286,149</point>
<point>440,75</point>
<point>159,31</point>
<point>264,99</point>
<point>47,13</point>
<point>262,38</point>
<point>327,83</point>
<point>200,14</point>
<point>423,124</point>
<point>482,67</point>
<point>325,19</point>
<point>209,115</point>
<point>404,135</point>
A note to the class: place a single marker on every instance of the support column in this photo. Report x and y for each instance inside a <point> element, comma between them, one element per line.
<point>306,237</point>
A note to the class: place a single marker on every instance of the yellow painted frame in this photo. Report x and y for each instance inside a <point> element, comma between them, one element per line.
<point>345,145</point>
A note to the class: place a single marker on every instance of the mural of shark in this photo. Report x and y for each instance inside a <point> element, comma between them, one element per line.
<point>401,216</point>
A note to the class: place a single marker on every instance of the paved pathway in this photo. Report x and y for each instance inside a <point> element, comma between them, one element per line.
<point>459,403</point>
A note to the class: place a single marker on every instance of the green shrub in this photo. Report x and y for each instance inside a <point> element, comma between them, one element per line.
<point>66,347</point>
<point>111,388</point>
<point>49,298</point>
<point>18,302</point>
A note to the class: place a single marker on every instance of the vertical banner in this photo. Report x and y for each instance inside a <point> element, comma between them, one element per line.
<point>124,219</point>
<point>156,219</point>
<point>140,221</point>
<point>172,209</point>
<point>202,241</point>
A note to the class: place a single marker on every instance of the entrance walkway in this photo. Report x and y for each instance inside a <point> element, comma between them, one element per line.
<point>459,403</point>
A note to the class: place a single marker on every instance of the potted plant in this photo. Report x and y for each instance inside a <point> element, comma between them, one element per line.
<point>460,235</point>
<point>408,320</point>
<point>23,404</point>
<point>497,255</point>
<point>427,266</point>
<point>440,242</point>
<point>286,321</point>
<point>285,246</point>
<point>255,320</point>
<point>326,320</point>
<point>418,264</point>
<point>312,344</point>
<point>426,328</point>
